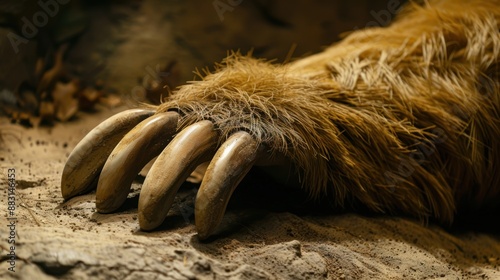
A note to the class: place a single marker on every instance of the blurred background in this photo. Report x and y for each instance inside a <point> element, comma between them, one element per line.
<point>59,57</point>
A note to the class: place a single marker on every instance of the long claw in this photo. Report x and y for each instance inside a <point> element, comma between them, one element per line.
<point>192,146</point>
<point>132,153</point>
<point>230,164</point>
<point>87,158</point>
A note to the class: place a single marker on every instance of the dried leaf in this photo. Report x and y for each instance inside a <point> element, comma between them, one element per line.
<point>27,101</point>
<point>46,110</point>
<point>110,101</point>
<point>52,75</point>
<point>65,101</point>
<point>89,97</point>
<point>35,121</point>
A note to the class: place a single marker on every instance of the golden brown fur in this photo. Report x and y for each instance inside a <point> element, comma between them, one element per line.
<point>404,119</point>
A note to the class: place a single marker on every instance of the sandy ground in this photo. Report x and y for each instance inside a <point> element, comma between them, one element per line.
<point>70,240</point>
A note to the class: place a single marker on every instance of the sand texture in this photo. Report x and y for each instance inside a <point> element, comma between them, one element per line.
<point>70,240</point>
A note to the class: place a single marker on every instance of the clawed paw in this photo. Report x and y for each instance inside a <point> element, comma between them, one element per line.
<point>403,124</point>
<point>116,150</point>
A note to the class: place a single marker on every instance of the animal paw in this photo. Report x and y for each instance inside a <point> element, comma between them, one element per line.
<point>399,125</point>
<point>197,124</point>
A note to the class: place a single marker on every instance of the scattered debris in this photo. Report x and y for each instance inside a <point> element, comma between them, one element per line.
<point>65,99</point>
<point>56,96</point>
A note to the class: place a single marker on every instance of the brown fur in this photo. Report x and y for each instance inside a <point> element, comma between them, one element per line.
<point>404,119</point>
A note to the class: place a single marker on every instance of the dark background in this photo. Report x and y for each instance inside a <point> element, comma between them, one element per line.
<point>135,48</point>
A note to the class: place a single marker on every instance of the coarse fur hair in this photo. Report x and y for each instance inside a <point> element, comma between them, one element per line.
<point>403,119</point>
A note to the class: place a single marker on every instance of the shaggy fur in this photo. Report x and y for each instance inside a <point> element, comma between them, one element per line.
<point>404,119</point>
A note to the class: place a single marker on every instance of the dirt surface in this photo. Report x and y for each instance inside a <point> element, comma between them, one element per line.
<point>70,240</point>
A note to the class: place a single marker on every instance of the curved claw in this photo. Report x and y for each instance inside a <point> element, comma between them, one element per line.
<point>132,153</point>
<point>191,147</point>
<point>87,158</point>
<point>230,164</point>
